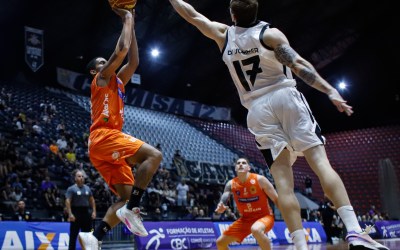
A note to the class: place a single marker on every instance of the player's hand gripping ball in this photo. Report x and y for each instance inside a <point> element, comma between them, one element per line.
<point>122,4</point>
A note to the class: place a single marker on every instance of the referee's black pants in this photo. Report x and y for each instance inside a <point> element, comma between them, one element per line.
<point>83,222</point>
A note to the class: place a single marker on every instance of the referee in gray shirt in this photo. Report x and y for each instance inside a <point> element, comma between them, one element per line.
<point>79,200</point>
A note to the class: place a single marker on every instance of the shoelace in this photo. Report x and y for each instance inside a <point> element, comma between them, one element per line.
<point>138,213</point>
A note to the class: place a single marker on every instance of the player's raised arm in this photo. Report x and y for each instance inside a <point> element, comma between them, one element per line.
<point>128,69</point>
<point>122,47</point>
<point>286,55</point>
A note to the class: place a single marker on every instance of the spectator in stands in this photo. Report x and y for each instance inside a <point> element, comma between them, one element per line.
<point>178,154</point>
<point>47,184</point>
<point>163,173</point>
<point>202,215</point>
<point>169,194</point>
<point>158,189</point>
<point>59,201</point>
<point>50,202</point>
<point>54,147</point>
<point>278,114</point>
<point>358,216</point>
<point>52,108</point>
<point>308,185</point>
<point>155,199</point>
<point>30,160</point>
<point>19,126</point>
<point>313,216</point>
<point>22,116</point>
<point>45,146</point>
<point>193,213</point>
<point>62,143</point>
<point>37,130</point>
<point>182,194</point>
<point>164,210</point>
<point>156,215</point>
<point>21,213</point>
<point>79,201</point>
<point>43,107</point>
<point>17,183</point>
<point>216,216</point>
<point>327,210</point>
<point>46,117</point>
<point>251,192</point>
<point>229,215</point>
<point>337,227</point>
<point>16,194</point>
<point>178,165</point>
<point>211,199</point>
<point>112,152</point>
<point>151,188</point>
<point>70,155</point>
<point>372,211</point>
<point>3,169</point>
<point>5,95</point>
<point>6,192</point>
<point>102,196</point>
<point>60,128</point>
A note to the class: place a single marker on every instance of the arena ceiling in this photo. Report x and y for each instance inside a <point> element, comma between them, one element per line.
<point>347,40</point>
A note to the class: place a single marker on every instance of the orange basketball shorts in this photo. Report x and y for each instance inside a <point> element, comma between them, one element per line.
<point>108,149</point>
<point>240,228</point>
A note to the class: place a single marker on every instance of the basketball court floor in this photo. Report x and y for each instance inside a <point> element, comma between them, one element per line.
<point>392,244</point>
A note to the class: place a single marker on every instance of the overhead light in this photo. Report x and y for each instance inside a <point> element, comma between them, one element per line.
<point>342,85</point>
<point>155,52</point>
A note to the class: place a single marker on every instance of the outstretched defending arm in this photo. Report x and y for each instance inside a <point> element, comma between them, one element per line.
<point>302,68</point>
<point>213,30</point>
<point>223,203</point>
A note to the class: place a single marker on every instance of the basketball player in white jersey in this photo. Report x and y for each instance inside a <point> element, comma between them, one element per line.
<point>260,61</point>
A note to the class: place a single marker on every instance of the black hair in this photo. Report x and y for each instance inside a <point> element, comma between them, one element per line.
<point>91,65</point>
<point>245,11</point>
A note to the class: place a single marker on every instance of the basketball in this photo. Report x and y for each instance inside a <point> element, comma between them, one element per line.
<point>122,4</point>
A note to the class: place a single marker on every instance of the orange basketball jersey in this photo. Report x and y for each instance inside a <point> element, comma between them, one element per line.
<point>250,199</point>
<point>107,104</point>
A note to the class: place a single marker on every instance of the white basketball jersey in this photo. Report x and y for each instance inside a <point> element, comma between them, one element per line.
<point>253,67</point>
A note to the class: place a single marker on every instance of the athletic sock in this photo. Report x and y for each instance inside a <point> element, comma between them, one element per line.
<point>299,239</point>
<point>101,230</point>
<point>349,218</point>
<point>136,196</point>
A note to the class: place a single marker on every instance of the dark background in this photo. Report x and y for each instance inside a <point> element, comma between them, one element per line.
<point>348,40</point>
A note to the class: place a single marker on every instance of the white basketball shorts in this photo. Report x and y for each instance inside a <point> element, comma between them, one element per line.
<point>282,119</point>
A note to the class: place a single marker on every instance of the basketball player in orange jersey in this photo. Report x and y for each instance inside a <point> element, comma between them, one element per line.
<point>112,152</point>
<point>251,192</point>
<point>261,61</point>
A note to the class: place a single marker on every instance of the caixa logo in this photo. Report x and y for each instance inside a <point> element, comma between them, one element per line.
<point>35,240</point>
<point>178,244</point>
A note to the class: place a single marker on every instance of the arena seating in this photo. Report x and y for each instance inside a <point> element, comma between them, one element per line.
<point>354,154</point>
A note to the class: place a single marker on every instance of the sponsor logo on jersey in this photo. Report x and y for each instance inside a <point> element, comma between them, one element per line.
<point>250,199</point>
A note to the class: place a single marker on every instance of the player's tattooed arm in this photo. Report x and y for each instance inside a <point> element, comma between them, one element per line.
<point>225,196</point>
<point>302,68</point>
